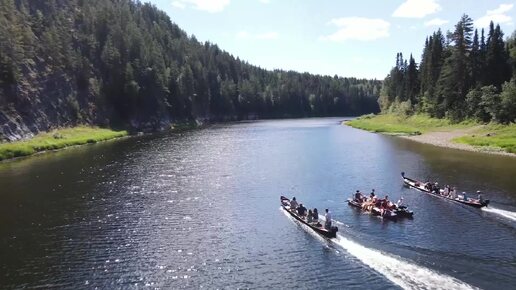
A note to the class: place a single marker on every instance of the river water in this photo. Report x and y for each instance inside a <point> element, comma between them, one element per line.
<point>200,209</point>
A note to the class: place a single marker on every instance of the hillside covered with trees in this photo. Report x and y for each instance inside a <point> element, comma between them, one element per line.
<point>121,63</point>
<point>465,74</point>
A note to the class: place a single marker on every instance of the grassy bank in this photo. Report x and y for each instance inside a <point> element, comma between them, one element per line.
<point>57,139</point>
<point>483,137</point>
<point>494,136</point>
<point>395,124</point>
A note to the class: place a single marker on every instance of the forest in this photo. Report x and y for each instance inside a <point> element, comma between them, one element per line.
<point>463,75</point>
<point>121,63</point>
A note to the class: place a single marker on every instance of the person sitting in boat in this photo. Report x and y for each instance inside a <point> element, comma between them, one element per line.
<point>327,216</point>
<point>301,210</point>
<point>315,217</point>
<point>480,198</point>
<point>385,202</point>
<point>436,189</point>
<point>372,195</point>
<point>358,196</point>
<point>464,196</point>
<point>309,217</point>
<point>446,190</point>
<point>400,202</point>
<point>293,204</point>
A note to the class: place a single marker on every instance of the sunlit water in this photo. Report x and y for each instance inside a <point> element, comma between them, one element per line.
<point>200,209</point>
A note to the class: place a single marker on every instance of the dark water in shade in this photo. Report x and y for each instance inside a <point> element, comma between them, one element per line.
<point>201,209</point>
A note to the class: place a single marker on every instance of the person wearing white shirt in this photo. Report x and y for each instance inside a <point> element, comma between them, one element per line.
<point>327,217</point>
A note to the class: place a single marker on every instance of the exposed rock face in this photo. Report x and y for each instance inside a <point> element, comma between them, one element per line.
<point>41,101</point>
<point>125,64</point>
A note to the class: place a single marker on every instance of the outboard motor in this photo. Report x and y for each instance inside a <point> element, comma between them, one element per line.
<point>334,229</point>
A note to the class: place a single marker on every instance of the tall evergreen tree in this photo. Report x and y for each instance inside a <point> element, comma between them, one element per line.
<point>497,58</point>
<point>454,81</point>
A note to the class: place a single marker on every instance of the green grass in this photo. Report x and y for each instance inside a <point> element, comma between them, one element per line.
<point>492,136</point>
<point>501,137</point>
<point>57,139</point>
<point>395,124</point>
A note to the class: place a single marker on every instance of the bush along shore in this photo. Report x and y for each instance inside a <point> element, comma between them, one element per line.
<point>57,139</point>
<point>466,135</point>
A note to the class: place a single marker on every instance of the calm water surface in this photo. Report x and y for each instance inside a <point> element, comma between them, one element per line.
<point>201,209</point>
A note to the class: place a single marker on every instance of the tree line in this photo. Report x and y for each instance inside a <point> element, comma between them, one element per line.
<point>124,62</point>
<point>464,74</point>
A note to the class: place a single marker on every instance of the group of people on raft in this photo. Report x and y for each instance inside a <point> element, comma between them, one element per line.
<point>374,201</point>
<point>310,216</point>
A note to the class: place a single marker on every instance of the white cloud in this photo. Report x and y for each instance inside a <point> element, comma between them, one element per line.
<point>358,28</point>
<point>211,6</point>
<point>260,36</point>
<point>417,8</point>
<point>178,4</point>
<point>497,15</point>
<point>436,22</point>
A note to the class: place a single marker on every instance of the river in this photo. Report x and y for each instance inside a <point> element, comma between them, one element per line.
<point>200,209</point>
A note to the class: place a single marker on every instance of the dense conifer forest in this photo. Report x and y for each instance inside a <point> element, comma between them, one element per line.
<point>464,74</point>
<point>123,63</point>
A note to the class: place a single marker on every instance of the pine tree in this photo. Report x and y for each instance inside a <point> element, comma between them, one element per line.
<point>497,58</point>
<point>454,81</point>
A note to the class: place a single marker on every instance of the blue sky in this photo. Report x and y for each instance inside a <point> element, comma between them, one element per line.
<point>347,38</point>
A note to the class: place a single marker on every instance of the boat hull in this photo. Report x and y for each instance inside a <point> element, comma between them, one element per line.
<point>318,228</point>
<point>412,183</point>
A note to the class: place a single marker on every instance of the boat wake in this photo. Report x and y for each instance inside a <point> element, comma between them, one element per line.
<point>405,274</point>
<point>401,272</point>
<point>501,212</point>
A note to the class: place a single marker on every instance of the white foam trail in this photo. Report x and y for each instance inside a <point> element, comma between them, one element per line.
<point>401,272</point>
<point>504,213</point>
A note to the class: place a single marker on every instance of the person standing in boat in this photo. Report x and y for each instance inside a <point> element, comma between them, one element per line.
<point>480,198</point>
<point>293,204</point>
<point>327,216</point>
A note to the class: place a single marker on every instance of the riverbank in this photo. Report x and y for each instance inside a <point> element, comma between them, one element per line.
<point>471,136</point>
<point>57,139</point>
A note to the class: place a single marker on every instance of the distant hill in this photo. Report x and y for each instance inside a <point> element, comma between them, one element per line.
<point>126,64</point>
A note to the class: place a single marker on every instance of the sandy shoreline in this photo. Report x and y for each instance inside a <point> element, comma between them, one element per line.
<point>444,139</point>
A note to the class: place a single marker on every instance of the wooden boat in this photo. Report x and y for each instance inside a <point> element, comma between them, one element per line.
<point>419,185</point>
<point>317,227</point>
<point>383,213</point>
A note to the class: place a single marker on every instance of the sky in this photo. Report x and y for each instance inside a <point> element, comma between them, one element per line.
<point>358,38</point>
